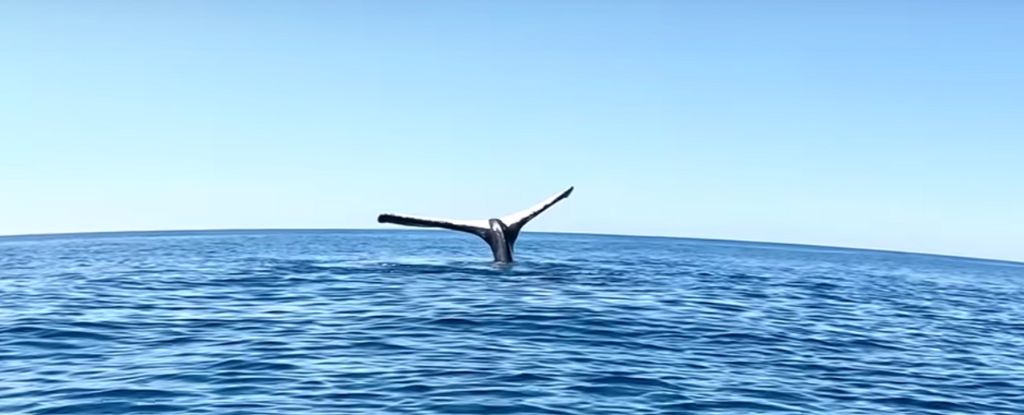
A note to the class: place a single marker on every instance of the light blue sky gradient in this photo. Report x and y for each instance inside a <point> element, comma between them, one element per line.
<point>877,124</point>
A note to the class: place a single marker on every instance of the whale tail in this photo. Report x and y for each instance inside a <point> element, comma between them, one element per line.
<point>500,234</point>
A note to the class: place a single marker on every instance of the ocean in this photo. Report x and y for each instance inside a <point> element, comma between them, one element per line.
<point>420,322</point>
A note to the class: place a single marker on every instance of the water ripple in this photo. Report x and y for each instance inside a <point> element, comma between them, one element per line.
<point>420,322</point>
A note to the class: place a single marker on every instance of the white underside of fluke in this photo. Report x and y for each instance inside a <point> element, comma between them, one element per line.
<point>517,219</point>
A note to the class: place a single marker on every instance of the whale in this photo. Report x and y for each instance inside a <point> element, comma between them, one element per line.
<point>499,233</point>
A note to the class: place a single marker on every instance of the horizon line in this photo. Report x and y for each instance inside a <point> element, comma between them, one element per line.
<point>807,245</point>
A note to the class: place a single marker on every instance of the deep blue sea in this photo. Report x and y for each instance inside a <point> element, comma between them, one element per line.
<point>420,322</point>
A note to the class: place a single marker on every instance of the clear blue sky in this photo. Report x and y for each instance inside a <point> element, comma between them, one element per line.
<point>877,124</point>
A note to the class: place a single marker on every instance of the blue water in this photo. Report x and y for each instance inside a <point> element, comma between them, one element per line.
<point>419,322</point>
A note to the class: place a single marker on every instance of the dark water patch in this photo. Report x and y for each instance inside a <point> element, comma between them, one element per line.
<point>40,344</point>
<point>35,332</point>
<point>252,365</point>
<point>127,394</point>
<point>245,378</point>
<point>471,408</point>
<point>747,406</point>
<point>625,380</point>
<point>111,408</point>
<point>235,391</point>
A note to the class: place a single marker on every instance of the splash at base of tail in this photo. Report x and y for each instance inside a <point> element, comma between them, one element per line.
<point>499,233</point>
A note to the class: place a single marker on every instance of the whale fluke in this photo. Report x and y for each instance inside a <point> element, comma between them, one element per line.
<point>471,226</point>
<point>499,233</point>
<point>516,221</point>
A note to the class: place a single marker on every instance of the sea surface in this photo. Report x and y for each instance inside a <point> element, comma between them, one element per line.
<point>420,322</point>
